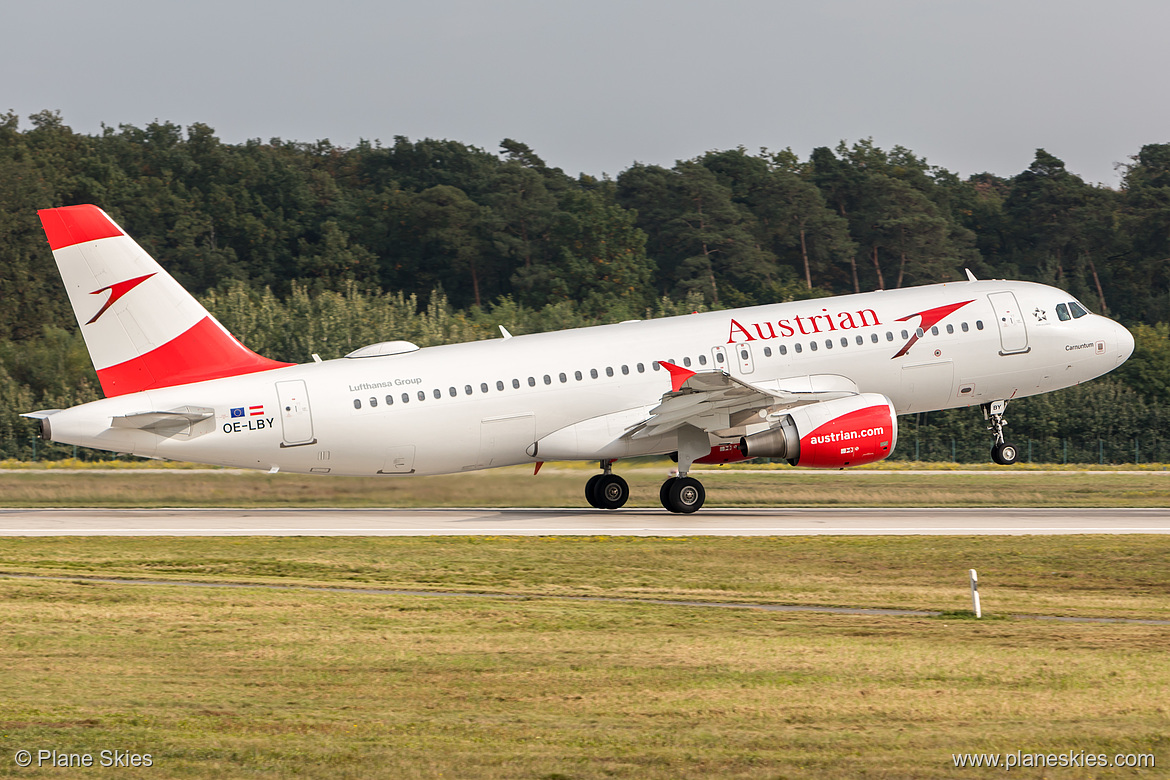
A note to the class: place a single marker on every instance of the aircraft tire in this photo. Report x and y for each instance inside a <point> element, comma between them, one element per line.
<point>664,493</point>
<point>1005,454</point>
<point>611,492</point>
<point>591,493</point>
<point>686,495</point>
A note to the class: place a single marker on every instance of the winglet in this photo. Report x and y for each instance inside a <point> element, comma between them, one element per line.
<point>970,276</point>
<point>504,332</point>
<point>678,374</point>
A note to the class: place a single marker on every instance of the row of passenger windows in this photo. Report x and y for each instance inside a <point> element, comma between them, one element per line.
<point>873,337</point>
<point>563,378</point>
<point>484,387</point>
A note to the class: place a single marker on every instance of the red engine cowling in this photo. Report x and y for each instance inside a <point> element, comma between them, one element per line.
<point>831,434</point>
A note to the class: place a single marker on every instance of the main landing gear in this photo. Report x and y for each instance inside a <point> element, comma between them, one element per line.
<point>682,494</point>
<point>607,490</point>
<point>1002,452</point>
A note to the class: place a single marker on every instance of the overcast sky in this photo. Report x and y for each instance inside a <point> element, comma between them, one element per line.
<point>594,86</point>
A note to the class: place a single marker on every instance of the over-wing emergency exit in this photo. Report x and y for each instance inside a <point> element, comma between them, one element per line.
<point>819,383</point>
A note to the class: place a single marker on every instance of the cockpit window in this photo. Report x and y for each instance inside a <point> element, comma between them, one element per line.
<point>1077,310</point>
<point>1062,312</point>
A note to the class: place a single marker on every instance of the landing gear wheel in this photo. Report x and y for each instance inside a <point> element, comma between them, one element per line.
<point>685,495</point>
<point>611,492</point>
<point>1005,454</point>
<point>664,493</point>
<point>591,494</point>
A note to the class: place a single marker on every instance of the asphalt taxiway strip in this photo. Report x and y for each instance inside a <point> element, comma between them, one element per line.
<point>580,522</point>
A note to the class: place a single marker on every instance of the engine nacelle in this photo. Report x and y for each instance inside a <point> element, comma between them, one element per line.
<point>833,434</point>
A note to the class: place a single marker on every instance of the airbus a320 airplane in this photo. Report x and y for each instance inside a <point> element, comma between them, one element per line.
<point>819,382</point>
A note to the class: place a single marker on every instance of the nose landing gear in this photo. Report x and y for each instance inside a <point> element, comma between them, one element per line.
<point>1002,452</point>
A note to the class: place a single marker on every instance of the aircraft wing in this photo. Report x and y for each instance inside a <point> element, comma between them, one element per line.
<point>715,400</point>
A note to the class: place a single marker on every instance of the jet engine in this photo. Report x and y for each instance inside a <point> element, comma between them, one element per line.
<point>829,434</point>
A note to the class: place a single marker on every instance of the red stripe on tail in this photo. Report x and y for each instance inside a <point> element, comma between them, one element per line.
<point>71,225</point>
<point>204,352</point>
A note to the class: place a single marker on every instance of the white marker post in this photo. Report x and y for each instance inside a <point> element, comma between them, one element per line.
<point>975,594</point>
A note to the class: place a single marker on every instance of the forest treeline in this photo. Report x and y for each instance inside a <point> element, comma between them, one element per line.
<point>307,247</point>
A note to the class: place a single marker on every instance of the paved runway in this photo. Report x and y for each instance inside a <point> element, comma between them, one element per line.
<point>578,522</point>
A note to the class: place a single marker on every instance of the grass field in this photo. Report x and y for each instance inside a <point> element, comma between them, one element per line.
<point>218,682</point>
<point>559,487</point>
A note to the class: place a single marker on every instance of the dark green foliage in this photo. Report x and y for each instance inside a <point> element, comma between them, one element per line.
<point>293,246</point>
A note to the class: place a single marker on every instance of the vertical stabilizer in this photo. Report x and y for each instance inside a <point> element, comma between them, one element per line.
<point>143,330</point>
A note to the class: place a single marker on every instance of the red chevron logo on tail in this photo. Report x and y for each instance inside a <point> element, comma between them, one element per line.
<point>117,290</point>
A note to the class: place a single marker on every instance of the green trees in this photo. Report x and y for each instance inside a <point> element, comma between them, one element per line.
<point>307,247</point>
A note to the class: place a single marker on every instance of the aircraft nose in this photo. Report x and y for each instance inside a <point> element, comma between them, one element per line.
<point>1124,343</point>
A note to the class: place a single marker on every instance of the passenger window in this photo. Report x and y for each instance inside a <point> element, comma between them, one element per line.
<point>406,398</point>
<point>1062,312</point>
<point>743,354</point>
<point>812,345</point>
<point>797,347</point>
<point>845,341</point>
<point>577,375</point>
<point>861,341</point>
<point>905,335</point>
<point>625,370</point>
<point>593,373</point>
<point>532,381</point>
<point>562,377</point>
<point>872,337</point>
<point>515,384</point>
<point>978,324</point>
<point>641,368</point>
<point>357,403</point>
<point>422,396</point>
<point>609,370</point>
<point>389,400</point>
<point>499,385</point>
<point>783,350</point>
<point>483,387</point>
<point>934,330</point>
<point>467,390</point>
<point>828,343</point>
<point>964,327</point>
<point>439,393</point>
<point>767,353</point>
<point>889,336</point>
<point>687,362</point>
<point>373,403</point>
<point>548,379</point>
<point>719,356</point>
<point>655,365</point>
<point>1077,310</point>
<point>919,332</point>
<point>950,329</point>
<point>452,391</point>
<point>703,360</point>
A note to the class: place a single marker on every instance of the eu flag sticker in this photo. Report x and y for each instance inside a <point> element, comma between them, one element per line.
<point>238,412</point>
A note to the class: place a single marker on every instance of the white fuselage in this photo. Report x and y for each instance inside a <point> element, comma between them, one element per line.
<point>441,409</point>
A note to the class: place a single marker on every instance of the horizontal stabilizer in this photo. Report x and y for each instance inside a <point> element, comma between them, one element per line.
<point>42,414</point>
<point>177,419</point>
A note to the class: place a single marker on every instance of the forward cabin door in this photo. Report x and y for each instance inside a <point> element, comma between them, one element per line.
<point>1013,334</point>
<point>296,418</point>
